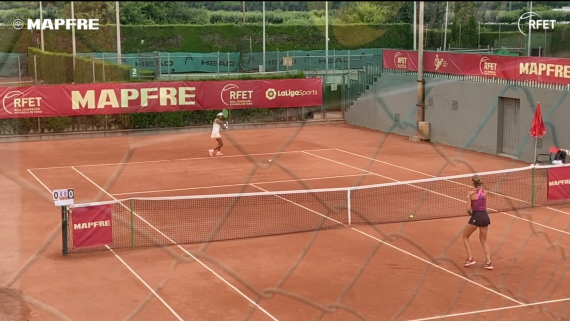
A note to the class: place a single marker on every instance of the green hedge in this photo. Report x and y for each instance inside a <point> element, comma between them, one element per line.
<point>219,37</point>
<point>162,119</point>
<point>57,68</point>
<point>561,42</point>
<point>12,40</point>
<point>232,38</point>
<point>272,17</point>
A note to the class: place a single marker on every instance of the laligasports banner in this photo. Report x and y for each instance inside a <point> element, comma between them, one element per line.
<point>113,98</point>
<point>539,69</point>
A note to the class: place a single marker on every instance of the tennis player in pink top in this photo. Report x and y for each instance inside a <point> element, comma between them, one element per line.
<point>477,209</point>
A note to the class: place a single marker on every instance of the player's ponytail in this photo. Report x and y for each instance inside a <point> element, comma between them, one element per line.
<point>477,181</point>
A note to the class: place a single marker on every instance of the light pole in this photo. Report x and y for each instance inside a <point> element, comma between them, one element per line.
<point>118,32</point>
<point>421,84</point>
<point>263,37</point>
<point>73,34</point>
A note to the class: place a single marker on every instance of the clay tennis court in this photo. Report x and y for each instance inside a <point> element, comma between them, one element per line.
<point>400,271</point>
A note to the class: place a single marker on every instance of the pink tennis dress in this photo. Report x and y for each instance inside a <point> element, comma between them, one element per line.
<point>479,216</point>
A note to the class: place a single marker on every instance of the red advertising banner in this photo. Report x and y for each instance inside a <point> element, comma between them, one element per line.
<point>558,183</point>
<point>442,62</point>
<point>113,98</point>
<point>489,66</point>
<point>92,226</point>
<point>539,69</point>
<point>400,59</point>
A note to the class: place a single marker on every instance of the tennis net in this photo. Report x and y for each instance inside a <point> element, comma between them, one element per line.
<point>148,222</point>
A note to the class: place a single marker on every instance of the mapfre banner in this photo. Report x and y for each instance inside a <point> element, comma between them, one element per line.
<point>114,98</point>
<point>92,226</point>
<point>559,183</point>
<point>539,69</point>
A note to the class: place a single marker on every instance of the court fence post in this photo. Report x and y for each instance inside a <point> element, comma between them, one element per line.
<point>532,194</point>
<point>348,206</point>
<point>64,216</point>
<point>132,208</point>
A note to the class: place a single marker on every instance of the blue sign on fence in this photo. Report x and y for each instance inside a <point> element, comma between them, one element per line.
<point>13,64</point>
<point>175,62</point>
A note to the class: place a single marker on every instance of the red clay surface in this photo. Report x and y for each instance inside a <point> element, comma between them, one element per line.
<point>379,280</point>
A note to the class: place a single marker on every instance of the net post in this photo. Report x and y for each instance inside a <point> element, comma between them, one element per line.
<point>348,206</point>
<point>132,208</point>
<point>532,195</point>
<point>64,236</point>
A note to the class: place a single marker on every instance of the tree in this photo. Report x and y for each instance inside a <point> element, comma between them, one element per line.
<point>364,12</point>
<point>102,10</point>
<point>465,28</point>
<point>161,12</point>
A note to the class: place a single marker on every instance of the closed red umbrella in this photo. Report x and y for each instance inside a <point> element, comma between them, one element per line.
<point>537,129</point>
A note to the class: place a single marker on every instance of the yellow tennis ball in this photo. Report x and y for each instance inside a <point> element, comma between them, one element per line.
<point>270,160</point>
<point>411,215</point>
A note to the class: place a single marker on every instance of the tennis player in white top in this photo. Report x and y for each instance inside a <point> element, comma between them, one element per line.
<point>218,122</point>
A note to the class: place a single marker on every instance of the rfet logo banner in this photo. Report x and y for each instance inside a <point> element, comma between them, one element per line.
<point>92,226</point>
<point>265,94</point>
<point>559,183</point>
<point>400,59</point>
<point>112,98</point>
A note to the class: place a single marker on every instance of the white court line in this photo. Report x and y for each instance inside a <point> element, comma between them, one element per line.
<point>181,248</point>
<point>392,246</point>
<point>232,185</point>
<point>491,310</point>
<point>145,284</point>
<point>515,199</point>
<point>178,159</point>
<point>125,264</point>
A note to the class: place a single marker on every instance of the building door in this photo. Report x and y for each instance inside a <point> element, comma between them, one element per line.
<point>510,126</point>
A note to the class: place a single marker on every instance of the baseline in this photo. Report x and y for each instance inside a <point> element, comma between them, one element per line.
<point>179,159</point>
<point>182,249</point>
<point>390,245</point>
<point>156,295</point>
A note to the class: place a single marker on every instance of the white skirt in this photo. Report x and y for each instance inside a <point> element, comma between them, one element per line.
<point>216,135</point>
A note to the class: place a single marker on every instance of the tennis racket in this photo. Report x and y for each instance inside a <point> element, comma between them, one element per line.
<point>226,114</point>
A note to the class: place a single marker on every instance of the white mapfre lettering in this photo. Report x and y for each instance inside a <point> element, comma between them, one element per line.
<point>82,226</point>
<point>124,98</point>
<point>533,68</point>
<point>55,24</point>
<point>559,182</point>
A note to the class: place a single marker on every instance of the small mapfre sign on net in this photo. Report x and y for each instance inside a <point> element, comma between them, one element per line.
<point>92,226</point>
<point>559,183</point>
